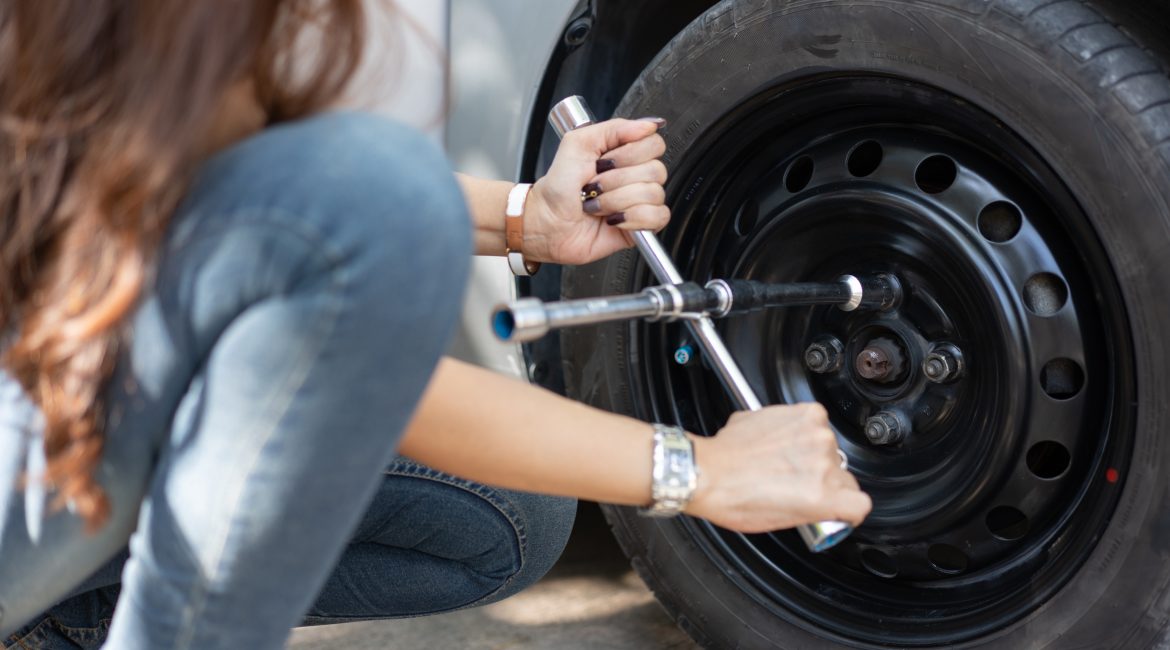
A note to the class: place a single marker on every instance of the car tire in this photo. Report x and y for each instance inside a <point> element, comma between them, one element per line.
<point>1068,107</point>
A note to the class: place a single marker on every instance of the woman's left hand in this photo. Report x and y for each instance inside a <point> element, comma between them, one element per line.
<point>618,159</point>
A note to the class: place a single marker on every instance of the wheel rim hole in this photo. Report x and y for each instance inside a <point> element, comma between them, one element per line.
<point>1000,221</point>
<point>799,174</point>
<point>1048,459</point>
<point>865,158</point>
<point>1062,378</point>
<point>1007,523</point>
<point>749,215</point>
<point>936,174</point>
<point>1045,294</point>
<point>878,563</point>
<point>946,559</point>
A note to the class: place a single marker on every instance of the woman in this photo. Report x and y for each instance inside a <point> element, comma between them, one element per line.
<point>224,311</point>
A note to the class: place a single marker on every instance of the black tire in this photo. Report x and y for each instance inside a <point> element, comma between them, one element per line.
<point>1092,109</point>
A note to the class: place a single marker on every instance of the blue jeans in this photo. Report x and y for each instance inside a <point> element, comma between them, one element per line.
<point>428,543</point>
<point>304,294</point>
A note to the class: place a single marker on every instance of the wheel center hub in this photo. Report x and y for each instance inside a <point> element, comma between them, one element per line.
<point>881,361</point>
<point>925,396</point>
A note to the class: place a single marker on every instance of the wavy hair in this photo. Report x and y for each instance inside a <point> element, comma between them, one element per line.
<point>105,111</point>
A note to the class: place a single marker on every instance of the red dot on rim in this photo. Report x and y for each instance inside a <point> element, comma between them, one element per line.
<point>1111,475</point>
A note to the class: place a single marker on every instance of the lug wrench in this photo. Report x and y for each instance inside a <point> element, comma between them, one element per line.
<point>571,113</point>
<point>528,319</point>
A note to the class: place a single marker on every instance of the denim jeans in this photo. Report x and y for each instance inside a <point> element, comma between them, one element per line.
<point>304,293</point>
<point>429,543</point>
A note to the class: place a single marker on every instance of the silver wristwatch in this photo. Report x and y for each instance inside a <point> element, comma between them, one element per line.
<point>674,475</point>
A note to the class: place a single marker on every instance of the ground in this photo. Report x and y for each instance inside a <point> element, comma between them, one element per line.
<point>591,600</point>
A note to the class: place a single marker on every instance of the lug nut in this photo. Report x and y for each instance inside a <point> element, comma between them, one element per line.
<point>942,364</point>
<point>823,355</point>
<point>936,367</point>
<point>886,428</point>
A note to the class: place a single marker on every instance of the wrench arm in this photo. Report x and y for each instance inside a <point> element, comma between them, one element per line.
<point>571,113</point>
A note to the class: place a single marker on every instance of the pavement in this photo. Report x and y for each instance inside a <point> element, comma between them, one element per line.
<point>590,600</point>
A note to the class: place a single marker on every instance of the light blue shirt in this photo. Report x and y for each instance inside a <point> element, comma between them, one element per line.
<point>22,454</point>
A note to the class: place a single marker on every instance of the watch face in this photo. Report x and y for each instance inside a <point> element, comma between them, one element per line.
<point>674,471</point>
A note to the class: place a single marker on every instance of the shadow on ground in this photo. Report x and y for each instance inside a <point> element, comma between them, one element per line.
<point>591,600</point>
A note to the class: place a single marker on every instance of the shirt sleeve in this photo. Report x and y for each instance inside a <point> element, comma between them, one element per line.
<point>22,454</point>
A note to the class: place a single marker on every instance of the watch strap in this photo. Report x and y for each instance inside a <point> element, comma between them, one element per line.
<point>674,473</point>
<point>514,230</point>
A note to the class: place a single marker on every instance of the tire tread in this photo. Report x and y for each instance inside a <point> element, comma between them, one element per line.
<point>632,547</point>
<point>1117,64</point>
<point>1102,53</point>
<point>1021,9</point>
<point>1060,17</point>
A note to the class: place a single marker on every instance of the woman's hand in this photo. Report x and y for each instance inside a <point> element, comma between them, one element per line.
<point>775,468</point>
<point>617,158</point>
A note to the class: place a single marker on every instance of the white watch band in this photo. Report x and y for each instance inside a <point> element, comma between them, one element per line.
<point>520,267</point>
<point>674,474</point>
<point>514,230</point>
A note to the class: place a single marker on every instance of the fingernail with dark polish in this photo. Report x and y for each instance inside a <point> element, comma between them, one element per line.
<point>591,190</point>
<point>615,219</point>
<point>592,206</point>
<point>658,121</point>
<point>604,165</point>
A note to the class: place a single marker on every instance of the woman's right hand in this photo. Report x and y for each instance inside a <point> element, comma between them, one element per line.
<point>772,469</point>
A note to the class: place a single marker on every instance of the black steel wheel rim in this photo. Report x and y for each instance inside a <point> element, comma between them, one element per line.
<point>1012,470</point>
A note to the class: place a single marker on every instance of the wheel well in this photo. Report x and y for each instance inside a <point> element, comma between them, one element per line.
<point>615,39</point>
<point>604,47</point>
<point>607,44</point>
<point>602,51</point>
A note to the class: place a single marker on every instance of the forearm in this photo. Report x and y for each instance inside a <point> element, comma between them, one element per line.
<point>486,201</point>
<point>496,430</point>
<point>772,469</point>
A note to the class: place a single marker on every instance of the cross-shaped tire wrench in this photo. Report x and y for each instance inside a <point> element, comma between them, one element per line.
<point>571,113</point>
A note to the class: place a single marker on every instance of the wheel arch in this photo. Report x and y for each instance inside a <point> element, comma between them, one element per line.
<point>606,44</point>
<point>603,48</point>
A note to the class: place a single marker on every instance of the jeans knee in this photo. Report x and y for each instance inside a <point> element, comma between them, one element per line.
<point>547,523</point>
<point>397,196</point>
<point>513,557</point>
<point>379,197</point>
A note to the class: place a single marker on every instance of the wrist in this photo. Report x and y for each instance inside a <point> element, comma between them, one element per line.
<point>536,244</point>
<point>706,476</point>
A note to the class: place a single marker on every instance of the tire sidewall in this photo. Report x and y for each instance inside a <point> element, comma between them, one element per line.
<point>1081,131</point>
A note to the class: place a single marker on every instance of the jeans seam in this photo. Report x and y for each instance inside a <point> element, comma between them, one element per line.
<point>412,469</point>
<point>23,641</point>
<point>88,632</point>
<point>37,629</point>
<point>317,245</point>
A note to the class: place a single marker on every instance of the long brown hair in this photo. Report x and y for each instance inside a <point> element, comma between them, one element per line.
<point>104,109</point>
